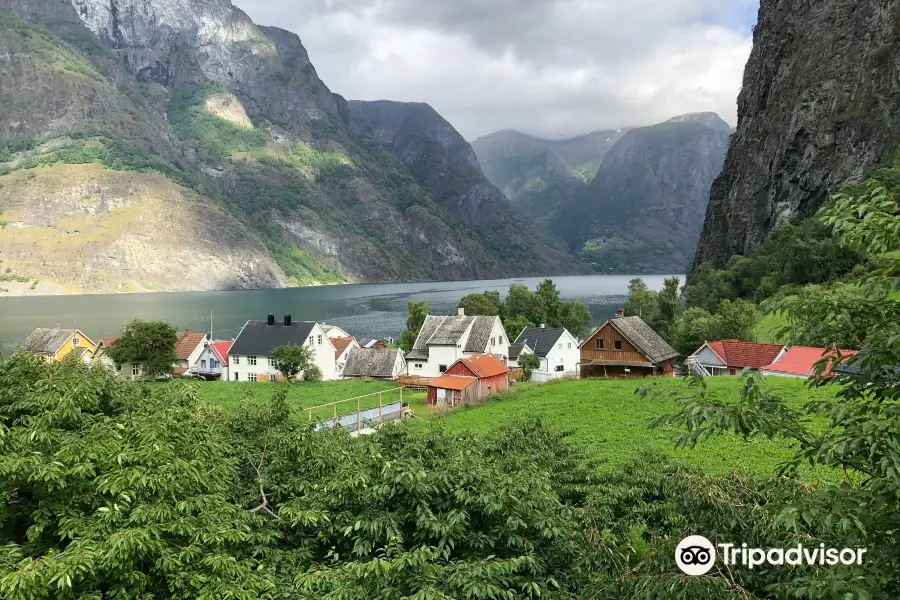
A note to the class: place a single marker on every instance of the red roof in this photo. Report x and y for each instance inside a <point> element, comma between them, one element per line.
<point>801,360</point>
<point>108,340</point>
<point>485,365</point>
<point>341,344</point>
<point>738,354</point>
<point>187,343</point>
<point>220,349</point>
<point>452,382</point>
<point>179,371</point>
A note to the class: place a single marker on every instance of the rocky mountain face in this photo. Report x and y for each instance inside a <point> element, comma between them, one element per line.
<point>818,108</point>
<point>232,120</point>
<point>643,211</point>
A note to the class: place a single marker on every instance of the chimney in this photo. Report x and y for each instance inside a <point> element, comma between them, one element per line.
<point>543,326</point>
<point>271,320</point>
<point>620,313</point>
<point>461,312</point>
<point>287,320</point>
<point>187,332</point>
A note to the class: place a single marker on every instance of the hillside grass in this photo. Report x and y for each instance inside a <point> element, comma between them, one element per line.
<point>611,423</point>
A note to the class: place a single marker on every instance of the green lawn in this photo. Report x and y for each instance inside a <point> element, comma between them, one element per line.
<point>305,395</point>
<point>610,422</point>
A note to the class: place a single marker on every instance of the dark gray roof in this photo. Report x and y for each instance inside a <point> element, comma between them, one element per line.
<point>515,350</point>
<point>258,338</point>
<point>480,334</point>
<point>45,340</point>
<point>854,366</point>
<point>642,336</point>
<point>371,362</point>
<point>540,339</point>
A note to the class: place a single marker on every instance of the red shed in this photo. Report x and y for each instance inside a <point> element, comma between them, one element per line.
<point>468,380</point>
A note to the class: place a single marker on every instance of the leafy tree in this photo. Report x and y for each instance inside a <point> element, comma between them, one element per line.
<point>292,359</point>
<point>642,301</point>
<point>520,302</point>
<point>515,326</point>
<point>529,364</point>
<point>485,304</point>
<point>312,373</point>
<point>733,320</point>
<point>152,343</point>
<point>548,304</point>
<point>576,318</point>
<point>418,312</point>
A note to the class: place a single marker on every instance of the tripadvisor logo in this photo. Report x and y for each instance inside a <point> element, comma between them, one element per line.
<point>696,555</point>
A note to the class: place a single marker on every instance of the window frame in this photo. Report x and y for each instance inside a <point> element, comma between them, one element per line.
<point>251,361</point>
<point>442,368</point>
<point>252,377</point>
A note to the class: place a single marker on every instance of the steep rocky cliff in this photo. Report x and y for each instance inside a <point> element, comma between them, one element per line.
<point>643,211</point>
<point>817,108</point>
<point>235,114</point>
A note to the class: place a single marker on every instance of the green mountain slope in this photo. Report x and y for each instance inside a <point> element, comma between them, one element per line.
<point>234,115</point>
<point>644,210</point>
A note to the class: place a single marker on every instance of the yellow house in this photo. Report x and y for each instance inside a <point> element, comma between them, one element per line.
<point>54,344</point>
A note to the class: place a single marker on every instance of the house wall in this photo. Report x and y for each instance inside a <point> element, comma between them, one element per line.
<point>589,350</point>
<point>710,360</point>
<point>485,386</point>
<point>777,374</point>
<point>342,359</point>
<point>323,357</point>
<point>208,355</point>
<point>437,356</point>
<point>399,365</point>
<point>69,346</point>
<point>568,357</point>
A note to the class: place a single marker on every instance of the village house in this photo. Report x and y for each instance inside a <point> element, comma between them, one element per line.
<point>444,340</point>
<point>557,349</point>
<point>374,363</point>
<point>212,363</point>
<point>250,356</point>
<point>800,362</point>
<point>514,352</point>
<point>53,344</point>
<point>469,380</point>
<point>371,343</point>
<point>333,331</point>
<point>730,357</point>
<point>857,367</point>
<point>342,347</point>
<point>189,345</point>
<point>626,347</point>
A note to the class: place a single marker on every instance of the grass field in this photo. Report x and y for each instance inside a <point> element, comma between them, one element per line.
<point>611,423</point>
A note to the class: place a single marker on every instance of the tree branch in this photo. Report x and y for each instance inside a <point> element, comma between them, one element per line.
<point>262,492</point>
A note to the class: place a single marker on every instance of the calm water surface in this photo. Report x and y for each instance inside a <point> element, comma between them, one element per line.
<point>365,310</point>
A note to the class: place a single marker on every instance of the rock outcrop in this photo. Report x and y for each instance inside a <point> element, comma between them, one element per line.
<point>818,107</point>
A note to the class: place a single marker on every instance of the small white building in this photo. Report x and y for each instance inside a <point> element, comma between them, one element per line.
<point>557,349</point>
<point>444,340</point>
<point>342,347</point>
<point>250,356</point>
<point>212,362</point>
<point>514,352</point>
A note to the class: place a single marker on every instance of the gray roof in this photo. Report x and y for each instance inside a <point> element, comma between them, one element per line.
<point>642,336</point>
<point>515,350</point>
<point>447,331</point>
<point>371,362</point>
<point>541,339</point>
<point>46,340</point>
<point>258,338</point>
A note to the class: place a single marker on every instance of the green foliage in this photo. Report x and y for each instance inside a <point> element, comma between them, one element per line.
<point>734,320</point>
<point>524,308</point>
<point>300,267</point>
<point>14,277</point>
<point>529,363</point>
<point>515,326</point>
<point>312,374</point>
<point>576,317</point>
<point>418,311</point>
<point>152,343</point>
<point>485,304</point>
<point>292,359</point>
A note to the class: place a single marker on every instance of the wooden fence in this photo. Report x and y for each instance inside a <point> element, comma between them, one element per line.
<point>414,381</point>
<point>376,418</point>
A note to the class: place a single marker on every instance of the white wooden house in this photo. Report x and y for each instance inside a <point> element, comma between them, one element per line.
<point>557,349</point>
<point>444,340</point>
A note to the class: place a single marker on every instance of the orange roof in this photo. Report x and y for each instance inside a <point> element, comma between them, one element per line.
<point>801,360</point>
<point>341,344</point>
<point>485,365</point>
<point>108,340</point>
<point>739,354</point>
<point>221,350</point>
<point>187,343</point>
<point>452,382</point>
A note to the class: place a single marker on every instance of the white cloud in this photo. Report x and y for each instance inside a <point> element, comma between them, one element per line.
<point>548,67</point>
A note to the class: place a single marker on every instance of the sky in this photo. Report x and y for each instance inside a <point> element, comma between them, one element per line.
<point>551,68</point>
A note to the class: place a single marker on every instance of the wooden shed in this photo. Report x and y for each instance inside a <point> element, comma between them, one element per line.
<point>469,380</point>
<point>626,347</point>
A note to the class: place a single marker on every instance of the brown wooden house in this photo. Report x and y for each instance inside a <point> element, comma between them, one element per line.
<point>626,347</point>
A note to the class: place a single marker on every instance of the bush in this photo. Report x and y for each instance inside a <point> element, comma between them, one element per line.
<point>312,373</point>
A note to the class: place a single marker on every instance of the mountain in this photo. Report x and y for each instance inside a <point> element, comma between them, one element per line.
<point>531,174</point>
<point>818,107</point>
<point>177,145</point>
<point>585,153</point>
<point>643,211</point>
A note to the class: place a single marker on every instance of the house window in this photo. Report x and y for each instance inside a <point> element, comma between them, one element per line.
<point>493,340</point>
<point>600,344</point>
<point>418,365</point>
<point>731,371</point>
<point>560,346</point>
<point>271,379</point>
<point>118,367</point>
<point>559,368</point>
<point>320,340</point>
<point>251,377</point>
<point>311,340</point>
<point>501,340</point>
<point>570,345</point>
<point>618,344</point>
<point>136,369</point>
<point>251,360</point>
<point>442,368</point>
<point>203,364</point>
<point>236,360</point>
<point>76,341</point>
<point>237,376</point>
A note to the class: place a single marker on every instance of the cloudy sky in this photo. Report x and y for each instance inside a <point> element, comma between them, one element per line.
<point>554,68</point>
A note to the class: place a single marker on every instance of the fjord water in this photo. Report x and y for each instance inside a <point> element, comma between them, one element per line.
<point>365,310</point>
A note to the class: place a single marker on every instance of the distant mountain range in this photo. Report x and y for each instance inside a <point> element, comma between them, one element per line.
<point>639,210</point>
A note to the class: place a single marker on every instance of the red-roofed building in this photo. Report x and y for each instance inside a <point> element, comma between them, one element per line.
<point>342,347</point>
<point>800,362</point>
<point>730,357</point>
<point>212,362</point>
<point>188,348</point>
<point>469,379</point>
